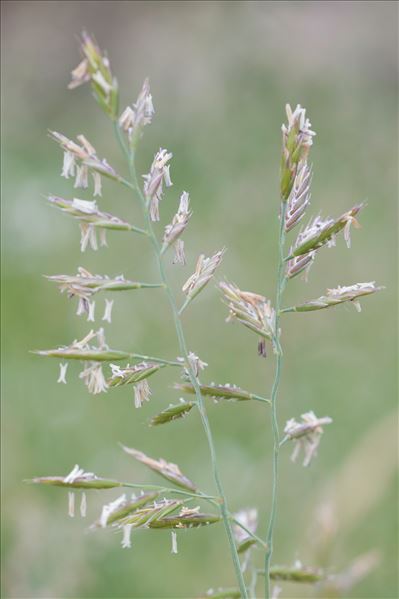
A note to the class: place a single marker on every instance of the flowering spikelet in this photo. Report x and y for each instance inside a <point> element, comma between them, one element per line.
<point>137,376</point>
<point>251,309</point>
<point>90,219</point>
<point>306,435</point>
<point>176,228</point>
<point>172,412</point>
<point>249,519</point>
<point>77,479</point>
<point>84,285</point>
<point>226,391</point>
<point>321,232</point>
<point>132,374</point>
<point>133,119</point>
<point>351,293</point>
<point>95,67</point>
<point>299,198</point>
<point>122,507</point>
<point>82,350</point>
<point>196,364</point>
<point>297,140</point>
<point>204,271</point>
<point>188,518</point>
<point>153,182</point>
<point>168,470</point>
<point>83,156</point>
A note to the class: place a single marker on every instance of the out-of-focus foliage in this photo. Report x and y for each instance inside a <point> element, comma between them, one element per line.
<point>220,74</point>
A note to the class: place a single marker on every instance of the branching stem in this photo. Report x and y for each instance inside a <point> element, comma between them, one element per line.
<point>281,280</point>
<point>223,507</point>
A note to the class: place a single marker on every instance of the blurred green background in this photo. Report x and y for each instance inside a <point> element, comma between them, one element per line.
<point>221,73</point>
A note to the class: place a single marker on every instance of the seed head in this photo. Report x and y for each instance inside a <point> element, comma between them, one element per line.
<point>351,293</point>
<point>217,392</point>
<point>321,232</point>
<point>77,479</point>
<point>84,351</point>
<point>306,435</point>
<point>122,506</point>
<point>153,182</point>
<point>168,470</point>
<point>176,228</point>
<point>134,119</point>
<point>204,272</point>
<point>252,310</point>
<point>83,157</point>
<point>95,68</point>
<point>299,198</point>
<point>172,412</point>
<point>297,140</point>
<point>90,218</point>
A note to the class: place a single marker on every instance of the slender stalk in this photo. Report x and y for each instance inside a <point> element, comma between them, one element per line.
<point>163,489</point>
<point>276,436</point>
<point>223,507</point>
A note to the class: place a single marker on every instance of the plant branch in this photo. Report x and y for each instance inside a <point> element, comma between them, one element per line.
<point>276,437</point>
<point>183,349</point>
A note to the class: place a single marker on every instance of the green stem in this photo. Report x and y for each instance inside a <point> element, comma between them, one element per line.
<point>276,437</point>
<point>163,489</point>
<point>152,359</point>
<point>184,351</point>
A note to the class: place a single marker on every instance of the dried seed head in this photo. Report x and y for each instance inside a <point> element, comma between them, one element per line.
<point>306,435</point>
<point>299,198</point>
<point>351,293</point>
<point>95,67</point>
<point>168,470</point>
<point>297,140</point>
<point>176,228</point>
<point>172,412</point>
<point>251,309</point>
<point>204,271</point>
<point>83,156</point>
<point>133,119</point>
<point>153,182</point>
